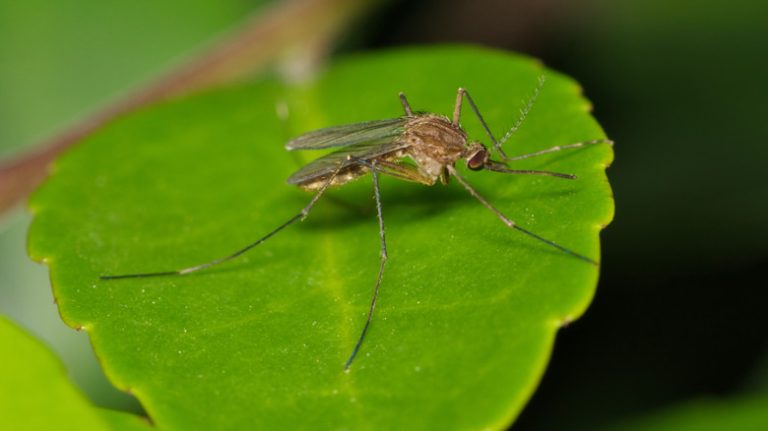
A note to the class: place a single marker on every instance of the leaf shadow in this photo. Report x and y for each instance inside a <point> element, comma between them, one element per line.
<point>410,202</point>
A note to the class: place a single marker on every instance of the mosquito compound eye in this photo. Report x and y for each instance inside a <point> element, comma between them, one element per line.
<point>477,161</point>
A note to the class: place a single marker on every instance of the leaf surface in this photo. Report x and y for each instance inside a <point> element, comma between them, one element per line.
<point>468,308</point>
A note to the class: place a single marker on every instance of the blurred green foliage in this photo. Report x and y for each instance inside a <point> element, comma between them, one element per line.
<point>34,391</point>
<point>37,395</point>
<point>59,61</point>
<point>738,414</point>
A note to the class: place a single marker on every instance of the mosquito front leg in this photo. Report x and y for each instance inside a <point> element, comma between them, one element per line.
<point>382,262</point>
<point>511,223</point>
<point>457,106</point>
<point>300,216</point>
<point>560,148</point>
<point>462,94</point>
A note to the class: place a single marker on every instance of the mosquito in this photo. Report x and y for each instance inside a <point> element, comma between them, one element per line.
<point>417,147</point>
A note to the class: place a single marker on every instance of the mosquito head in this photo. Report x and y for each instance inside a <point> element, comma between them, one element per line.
<point>477,156</point>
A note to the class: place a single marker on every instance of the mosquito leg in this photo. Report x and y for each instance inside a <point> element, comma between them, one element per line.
<point>383,260</point>
<point>560,148</point>
<point>511,223</point>
<point>523,114</point>
<point>300,216</point>
<point>406,105</point>
<point>457,106</point>
<point>464,94</point>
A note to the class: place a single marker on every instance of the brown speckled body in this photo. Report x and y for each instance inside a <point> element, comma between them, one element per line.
<point>430,141</point>
<point>434,142</point>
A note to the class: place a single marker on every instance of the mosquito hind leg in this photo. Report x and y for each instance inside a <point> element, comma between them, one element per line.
<point>382,262</point>
<point>300,216</point>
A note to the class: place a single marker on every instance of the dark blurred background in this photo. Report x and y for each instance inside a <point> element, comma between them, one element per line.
<point>680,85</point>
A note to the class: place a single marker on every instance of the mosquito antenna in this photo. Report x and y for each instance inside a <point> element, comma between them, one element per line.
<point>512,224</point>
<point>523,113</point>
<point>383,261</point>
<point>300,216</point>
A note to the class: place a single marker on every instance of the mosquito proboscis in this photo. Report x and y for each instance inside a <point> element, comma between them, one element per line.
<point>417,147</point>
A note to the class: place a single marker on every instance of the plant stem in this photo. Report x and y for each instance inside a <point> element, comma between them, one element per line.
<point>305,29</point>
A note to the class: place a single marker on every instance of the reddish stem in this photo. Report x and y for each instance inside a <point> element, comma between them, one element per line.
<point>310,25</point>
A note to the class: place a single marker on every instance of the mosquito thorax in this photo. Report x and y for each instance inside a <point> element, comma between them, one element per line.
<point>477,156</point>
<point>435,130</point>
<point>433,143</point>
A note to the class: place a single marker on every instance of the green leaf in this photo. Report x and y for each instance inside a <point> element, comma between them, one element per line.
<point>468,308</point>
<point>36,394</point>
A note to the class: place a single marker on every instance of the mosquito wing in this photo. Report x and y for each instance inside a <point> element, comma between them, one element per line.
<point>346,135</point>
<point>326,165</point>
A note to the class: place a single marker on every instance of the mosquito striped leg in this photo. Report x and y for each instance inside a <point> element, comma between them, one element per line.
<point>383,260</point>
<point>300,216</point>
<point>511,223</point>
<point>560,148</point>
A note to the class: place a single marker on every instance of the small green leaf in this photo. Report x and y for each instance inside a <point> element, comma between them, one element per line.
<point>36,394</point>
<point>468,308</point>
